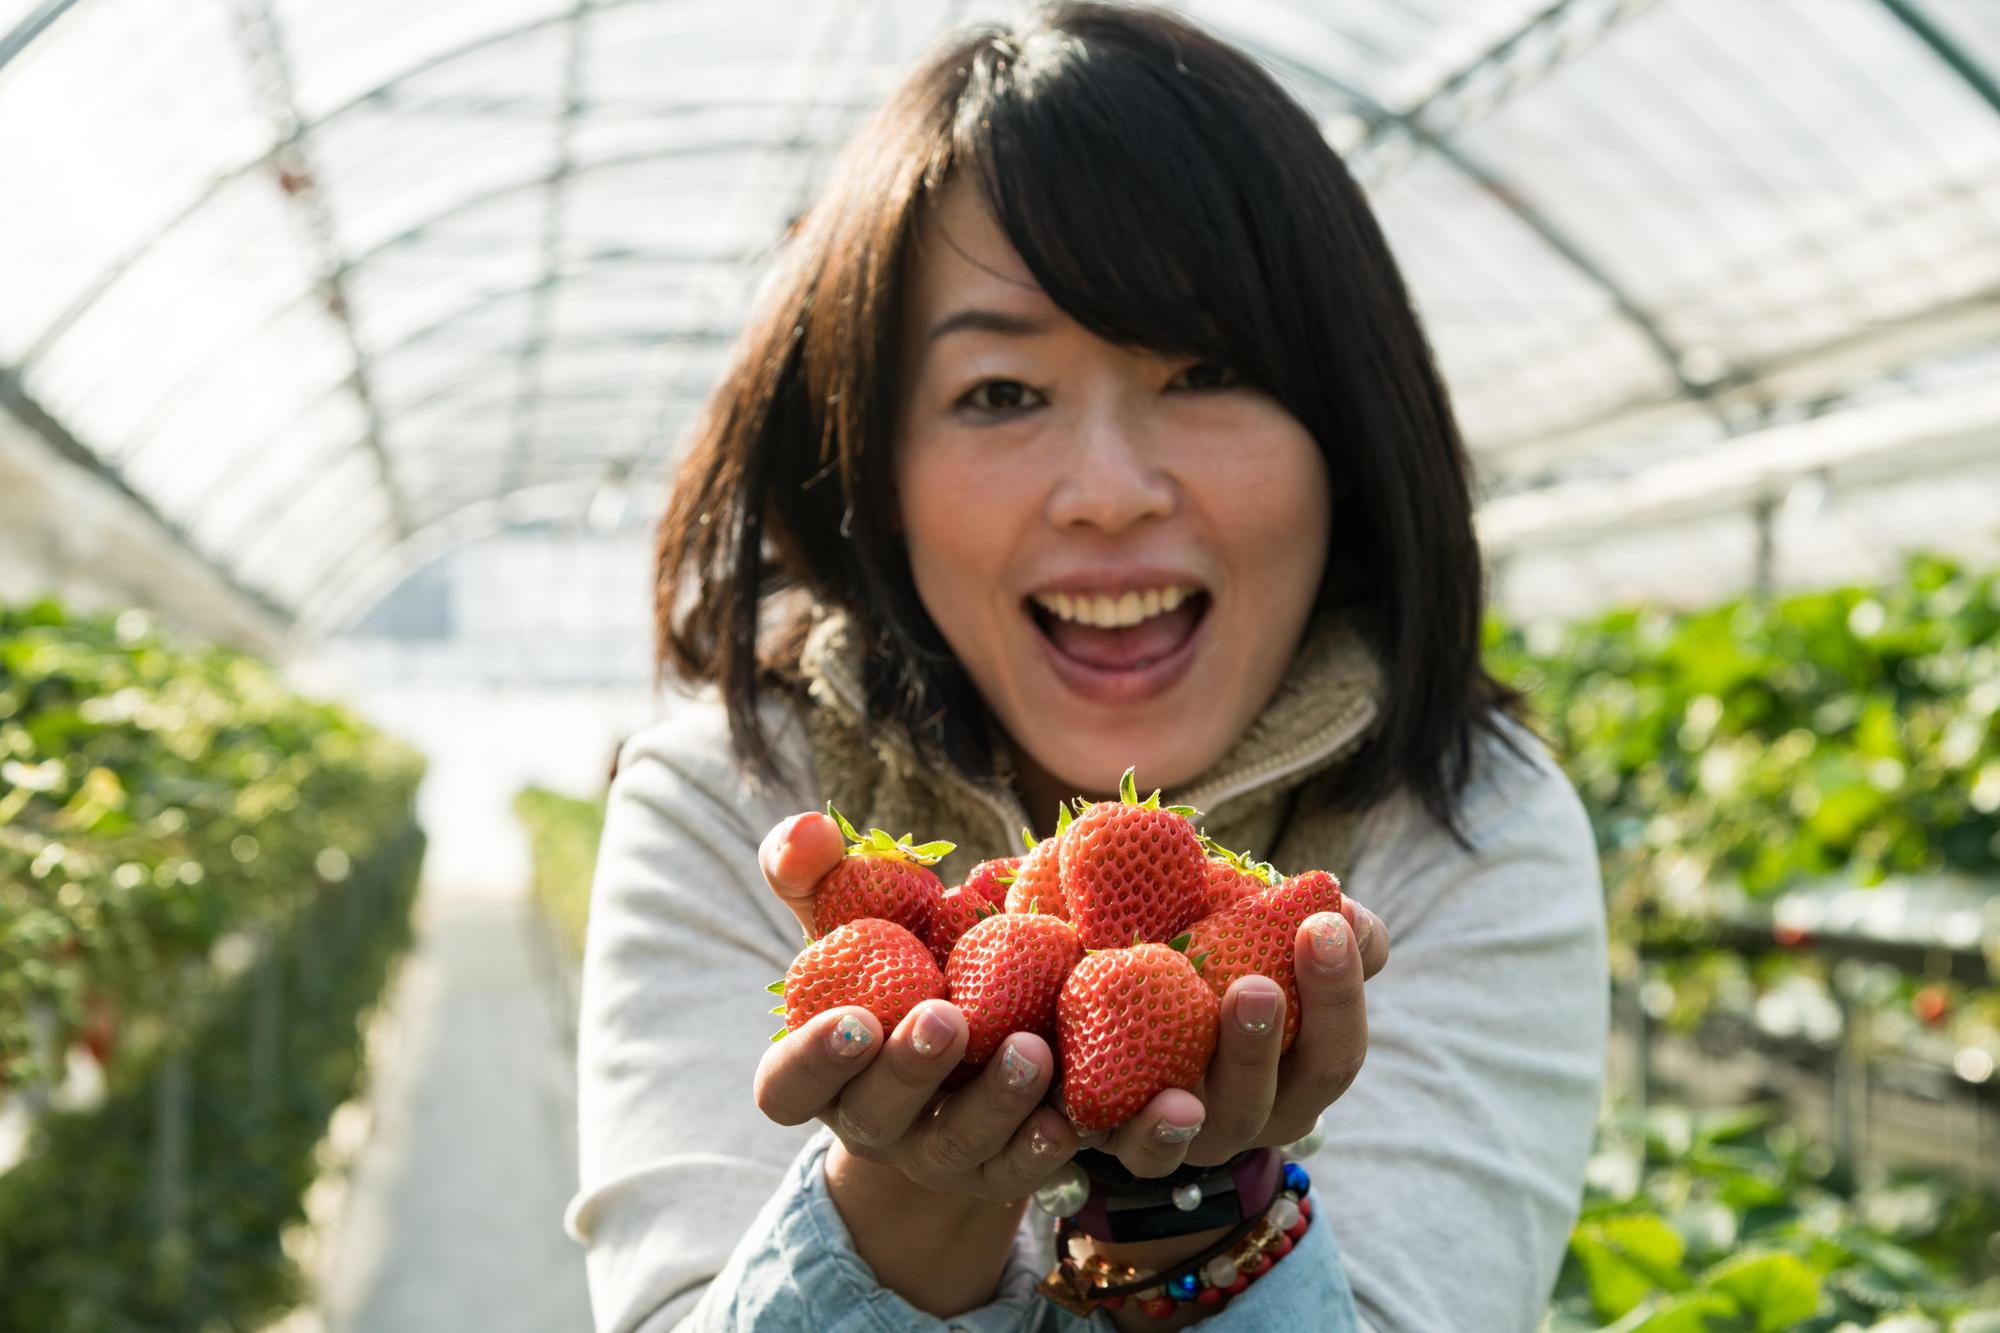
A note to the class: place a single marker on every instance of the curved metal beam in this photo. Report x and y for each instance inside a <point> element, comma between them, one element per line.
<point>1976,76</point>
<point>31,27</point>
<point>1510,197</point>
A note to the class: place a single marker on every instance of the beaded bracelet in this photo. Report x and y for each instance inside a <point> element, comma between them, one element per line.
<point>1082,1280</point>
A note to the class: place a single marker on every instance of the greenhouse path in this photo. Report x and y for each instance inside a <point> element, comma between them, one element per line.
<point>454,1215</point>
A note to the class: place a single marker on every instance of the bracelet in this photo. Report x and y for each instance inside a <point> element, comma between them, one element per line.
<point>1082,1281</point>
<point>1123,1207</point>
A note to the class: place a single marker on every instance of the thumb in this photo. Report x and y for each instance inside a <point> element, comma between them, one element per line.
<point>795,855</point>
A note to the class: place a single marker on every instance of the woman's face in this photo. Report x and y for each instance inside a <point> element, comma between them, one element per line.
<point>1122,548</point>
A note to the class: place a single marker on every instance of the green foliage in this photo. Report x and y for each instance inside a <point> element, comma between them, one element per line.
<point>204,878</point>
<point>1730,1220</point>
<point>562,838</point>
<point>155,798</point>
<point>1854,731</point>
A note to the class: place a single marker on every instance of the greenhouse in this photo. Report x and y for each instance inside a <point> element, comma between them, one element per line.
<point>413,424</point>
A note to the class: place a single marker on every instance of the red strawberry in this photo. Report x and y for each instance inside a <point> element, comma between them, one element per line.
<point>990,879</point>
<point>1132,870</point>
<point>1253,937</point>
<point>881,877</point>
<point>1005,975</point>
<point>876,964</point>
<point>1232,875</point>
<point>1129,1023</point>
<point>1037,885</point>
<point>959,909</point>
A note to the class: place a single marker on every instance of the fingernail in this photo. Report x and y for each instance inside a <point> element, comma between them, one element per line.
<point>1256,1010</point>
<point>932,1032</point>
<point>1364,929</point>
<point>1017,1071</point>
<point>1040,1144</point>
<point>1170,1133</point>
<point>850,1036</point>
<point>1329,939</point>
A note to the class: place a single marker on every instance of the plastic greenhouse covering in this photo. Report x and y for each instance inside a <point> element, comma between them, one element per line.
<point>330,289</point>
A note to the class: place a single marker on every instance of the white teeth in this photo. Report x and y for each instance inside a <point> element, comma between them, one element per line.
<point>1110,612</point>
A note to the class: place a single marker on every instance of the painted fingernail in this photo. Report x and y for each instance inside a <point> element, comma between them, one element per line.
<point>1257,1010</point>
<point>850,1036</point>
<point>1329,939</point>
<point>1017,1071</point>
<point>1170,1133</point>
<point>932,1032</point>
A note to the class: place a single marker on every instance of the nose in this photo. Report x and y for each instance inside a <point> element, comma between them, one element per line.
<point>1114,478</point>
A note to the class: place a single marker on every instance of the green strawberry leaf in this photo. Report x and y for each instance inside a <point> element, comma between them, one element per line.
<point>1006,877</point>
<point>1063,818</point>
<point>1028,838</point>
<point>1201,958</point>
<point>852,834</point>
<point>1186,812</point>
<point>930,851</point>
<point>775,1009</point>
<point>982,913</point>
<point>1128,788</point>
<point>779,1035</point>
<point>1779,1290</point>
<point>777,987</point>
<point>1180,942</point>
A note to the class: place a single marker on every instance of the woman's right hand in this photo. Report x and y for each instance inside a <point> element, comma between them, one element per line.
<point>880,1092</point>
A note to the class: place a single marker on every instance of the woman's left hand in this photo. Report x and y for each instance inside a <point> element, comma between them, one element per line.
<point>1252,1096</point>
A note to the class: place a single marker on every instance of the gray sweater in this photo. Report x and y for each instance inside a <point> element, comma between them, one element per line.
<point>1452,1167</point>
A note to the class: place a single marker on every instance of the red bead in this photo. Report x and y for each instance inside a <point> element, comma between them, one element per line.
<point>1305,1207</point>
<point>1281,1249</point>
<point>1297,1232</point>
<point>1113,1302</point>
<point>1208,1296</point>
<point>1261,1267</point>
<point>1159,1307</point>
<point>1236,1288</point>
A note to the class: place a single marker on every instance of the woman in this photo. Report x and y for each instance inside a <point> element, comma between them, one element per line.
<point>1088,426</point>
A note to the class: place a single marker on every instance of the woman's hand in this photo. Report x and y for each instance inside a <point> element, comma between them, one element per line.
<point>880,1092</point>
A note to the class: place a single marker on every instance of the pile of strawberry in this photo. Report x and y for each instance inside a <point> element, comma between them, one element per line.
<point>1115,940</point>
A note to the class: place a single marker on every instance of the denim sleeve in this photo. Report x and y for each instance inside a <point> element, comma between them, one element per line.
<point>796,1271</point>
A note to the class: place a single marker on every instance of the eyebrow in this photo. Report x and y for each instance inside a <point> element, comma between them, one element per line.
<point>987,321</point>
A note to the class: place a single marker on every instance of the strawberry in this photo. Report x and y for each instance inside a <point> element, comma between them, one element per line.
<point>959,909</point>
<point>1232,875</point>
<point>1037,885</point>
<point>991,879</point>
<point>876,964</point>
<point>1005,975</point>
<point>1129,1023</point>
<point>1254,936</point>
<point>1132,870</point>
<point>882,877</point>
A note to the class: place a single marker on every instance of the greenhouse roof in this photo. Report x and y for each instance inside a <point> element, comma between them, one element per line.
<point>328,288</point>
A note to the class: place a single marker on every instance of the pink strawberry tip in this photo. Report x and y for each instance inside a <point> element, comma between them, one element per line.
<point>877,842</point>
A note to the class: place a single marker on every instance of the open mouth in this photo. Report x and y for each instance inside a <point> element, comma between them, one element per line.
<point>1127,637</point>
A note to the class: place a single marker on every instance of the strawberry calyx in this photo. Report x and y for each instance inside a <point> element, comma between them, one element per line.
<point>1128,794</point>
<point>1242,861</point>
<point>878,842</point>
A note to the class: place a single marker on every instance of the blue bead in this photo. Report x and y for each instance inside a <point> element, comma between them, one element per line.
<point>1184,1287</point>
<point>1296,1178</point>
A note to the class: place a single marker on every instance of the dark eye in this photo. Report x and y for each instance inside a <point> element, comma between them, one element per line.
<point>1207,375</point>
<point>999,396</point>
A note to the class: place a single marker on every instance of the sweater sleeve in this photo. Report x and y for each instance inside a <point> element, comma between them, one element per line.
<point>683,936</point>
<point>1453,1166</point>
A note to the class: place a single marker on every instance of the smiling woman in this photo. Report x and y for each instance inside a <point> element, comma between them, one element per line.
<point>1088,426</point>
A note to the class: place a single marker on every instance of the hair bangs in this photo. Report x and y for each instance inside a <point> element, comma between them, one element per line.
<point>1109,175</point>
